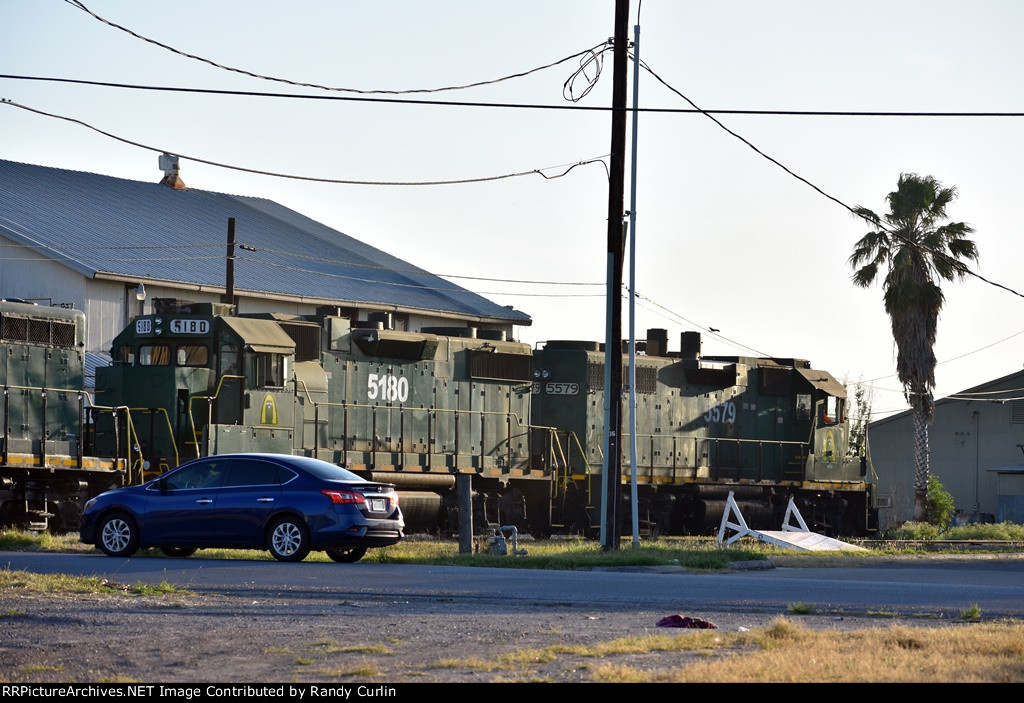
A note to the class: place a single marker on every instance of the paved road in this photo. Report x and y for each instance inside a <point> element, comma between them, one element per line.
<point>947,586</point>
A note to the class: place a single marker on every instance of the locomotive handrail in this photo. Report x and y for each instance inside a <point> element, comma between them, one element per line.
<point>170,428</point>
<point>133,437</point>
<point>716,442</point>
<point>510,417</point>
<point>82,396</point>
<point>209,399</point>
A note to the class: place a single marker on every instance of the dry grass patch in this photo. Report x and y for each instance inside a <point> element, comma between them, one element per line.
<point>333,648</point>
<point>474,663</point>
<point>786,652</point>
<point>364,668</point>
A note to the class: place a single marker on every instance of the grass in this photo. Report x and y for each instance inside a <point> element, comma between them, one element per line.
<point>24,581</point>
<point>692,553</point>
<point>967,650</point>
<point>783,652</point>
<point>786,652</point>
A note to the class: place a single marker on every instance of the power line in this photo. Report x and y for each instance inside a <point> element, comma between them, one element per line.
<point>459,181</point>
<point>417,286</point>
<point>590,55</point>
<point>731,342</point>
<point>519,106</point>
<point>955,264</point>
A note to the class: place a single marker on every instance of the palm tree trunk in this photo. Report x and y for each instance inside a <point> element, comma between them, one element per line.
<point>921,463</point>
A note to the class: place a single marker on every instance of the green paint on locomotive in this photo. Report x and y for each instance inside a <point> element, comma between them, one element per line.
<point>45,475</point>
<point>42,373</point>
<point>702,419</point>
<point>198,381</point>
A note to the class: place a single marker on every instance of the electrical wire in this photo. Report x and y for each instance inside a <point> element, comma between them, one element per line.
<point>731,342</point>
<point>340,181</point>
<point>504,105</point>
<point>588,56</point>
<point>416,286</point>
<point>954,263</point>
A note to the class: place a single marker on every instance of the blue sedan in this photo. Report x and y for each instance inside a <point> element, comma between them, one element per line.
<point>289,505</point>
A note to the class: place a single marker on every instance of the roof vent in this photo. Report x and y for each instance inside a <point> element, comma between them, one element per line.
<point>169,165</point>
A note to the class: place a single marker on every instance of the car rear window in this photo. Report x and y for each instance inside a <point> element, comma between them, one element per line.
<point>324,470</point>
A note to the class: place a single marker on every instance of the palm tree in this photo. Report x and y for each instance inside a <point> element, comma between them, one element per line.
<point>915,246</point>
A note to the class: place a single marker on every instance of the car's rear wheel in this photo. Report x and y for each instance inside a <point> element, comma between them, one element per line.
<point>118,536</point>
<point>288,539</point>
<point>178,551</point>
<point>346,556</point>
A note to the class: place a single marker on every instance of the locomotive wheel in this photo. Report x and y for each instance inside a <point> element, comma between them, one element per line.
<point>181,552</point>
<point>118,536</point>
<point>346,556</point>
<point>288,540</point>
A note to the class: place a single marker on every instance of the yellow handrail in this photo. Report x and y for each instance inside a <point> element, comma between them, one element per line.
<point>216,394</point>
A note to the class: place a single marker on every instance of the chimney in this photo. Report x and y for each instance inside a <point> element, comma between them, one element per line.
<point>169,165</point>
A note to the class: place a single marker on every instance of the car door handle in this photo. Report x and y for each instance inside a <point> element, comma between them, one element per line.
<point>264,500</point>
<point>204,501</point>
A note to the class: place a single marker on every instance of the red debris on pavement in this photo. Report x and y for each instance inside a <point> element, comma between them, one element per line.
<point>685,621</point>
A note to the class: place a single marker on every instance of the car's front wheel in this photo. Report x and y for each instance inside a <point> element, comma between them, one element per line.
<point>288,539</point>
<point>346,556</point>
<point>118,536</point>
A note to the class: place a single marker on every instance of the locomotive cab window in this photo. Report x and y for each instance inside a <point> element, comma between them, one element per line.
<point>265,370</point>
<point>125,354</point>
<point>229,358</point>
<point>192,355</point>
<point>803,406</point>
<point>154,355</point>
<point>832,409</point>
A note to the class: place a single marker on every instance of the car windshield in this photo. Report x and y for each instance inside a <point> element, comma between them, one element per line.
<point>324,470</point>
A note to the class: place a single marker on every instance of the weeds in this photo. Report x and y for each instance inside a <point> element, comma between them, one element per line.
<point>800,608</point>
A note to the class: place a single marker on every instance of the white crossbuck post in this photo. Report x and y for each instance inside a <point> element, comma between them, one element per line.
<point>791,536</point>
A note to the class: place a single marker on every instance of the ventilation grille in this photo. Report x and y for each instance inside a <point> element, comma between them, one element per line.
<point>500,367</point>
<point>1017,412</point>
<point>54,333</point>
<point>306,338</point>
<point>646,377</point>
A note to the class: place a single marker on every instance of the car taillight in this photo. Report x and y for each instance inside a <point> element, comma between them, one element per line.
<point>343,497</point>
<point>393,497</point>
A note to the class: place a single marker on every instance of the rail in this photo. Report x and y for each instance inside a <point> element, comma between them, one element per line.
<point>711,455</point>
<point>85,402</point>
<point>210,399</point>
<point>512,421</point>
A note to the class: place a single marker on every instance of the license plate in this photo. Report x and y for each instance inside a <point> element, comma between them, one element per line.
<point>378,505</point>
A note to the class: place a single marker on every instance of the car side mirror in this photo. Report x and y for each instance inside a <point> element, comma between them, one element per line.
<point>161,483</point>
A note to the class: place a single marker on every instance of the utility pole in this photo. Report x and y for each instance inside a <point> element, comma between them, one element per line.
<point>612,465</point>
<point>229,276</point>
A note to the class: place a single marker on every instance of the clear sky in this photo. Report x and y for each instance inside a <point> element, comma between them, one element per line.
<point>725,238</point>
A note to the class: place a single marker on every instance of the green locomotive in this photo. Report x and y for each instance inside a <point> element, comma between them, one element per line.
<point>412,409</point>
<point>764,429</point>
<point>420,409</point>
<point>47,471</point>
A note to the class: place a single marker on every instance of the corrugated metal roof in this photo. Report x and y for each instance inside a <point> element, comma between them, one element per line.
<point>91,223</point>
